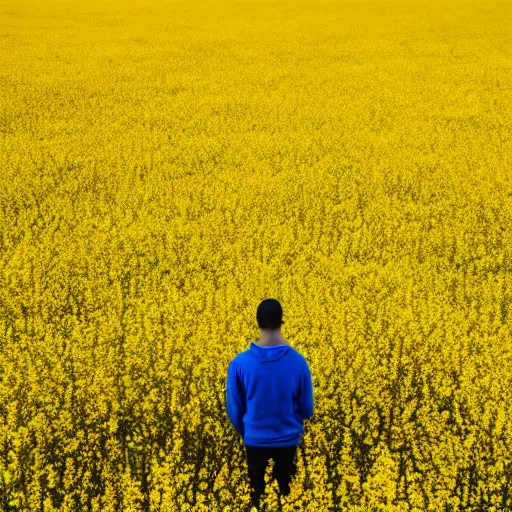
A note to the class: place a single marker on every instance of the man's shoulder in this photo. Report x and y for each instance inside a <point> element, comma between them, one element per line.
<point>239,358</point>
<point>300,357</point>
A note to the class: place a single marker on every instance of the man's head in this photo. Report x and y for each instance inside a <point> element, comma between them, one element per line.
<point>270,315</point>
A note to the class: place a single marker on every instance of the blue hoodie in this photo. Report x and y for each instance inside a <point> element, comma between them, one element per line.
<point>269,392</point>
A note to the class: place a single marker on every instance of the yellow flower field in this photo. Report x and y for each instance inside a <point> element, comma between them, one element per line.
<point>166,165</point>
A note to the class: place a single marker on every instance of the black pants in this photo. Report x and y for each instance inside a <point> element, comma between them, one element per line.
<point>284,468</point>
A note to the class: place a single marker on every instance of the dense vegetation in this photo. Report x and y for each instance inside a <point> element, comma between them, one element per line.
<point>165,166</point>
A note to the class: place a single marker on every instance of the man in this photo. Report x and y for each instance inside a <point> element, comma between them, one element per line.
<point>269,392</point>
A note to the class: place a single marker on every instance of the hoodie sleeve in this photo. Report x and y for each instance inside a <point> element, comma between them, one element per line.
<point>305,398</point>
<point>235,398</point>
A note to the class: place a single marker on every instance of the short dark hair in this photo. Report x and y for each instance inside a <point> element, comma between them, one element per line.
<point>270,314</point>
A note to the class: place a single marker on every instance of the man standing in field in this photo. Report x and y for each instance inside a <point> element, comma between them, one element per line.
<point>269,392</point>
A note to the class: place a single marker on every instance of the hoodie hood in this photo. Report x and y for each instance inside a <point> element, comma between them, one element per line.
<point>269,354</point>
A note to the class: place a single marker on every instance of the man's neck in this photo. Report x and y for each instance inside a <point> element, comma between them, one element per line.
<point>270,342</point>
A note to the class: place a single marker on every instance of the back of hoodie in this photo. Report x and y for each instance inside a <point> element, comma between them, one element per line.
<point>269,392</point>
